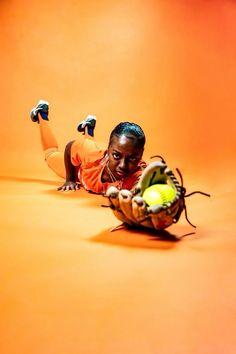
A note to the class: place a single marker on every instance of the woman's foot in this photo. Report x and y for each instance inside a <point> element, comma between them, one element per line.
<point>89,123</point>
<point>42,107</point>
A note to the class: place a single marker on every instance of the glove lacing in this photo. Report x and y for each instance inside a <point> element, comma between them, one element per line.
<point>183,192</point>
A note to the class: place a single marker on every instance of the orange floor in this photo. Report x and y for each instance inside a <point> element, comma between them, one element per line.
<point>68,284</point>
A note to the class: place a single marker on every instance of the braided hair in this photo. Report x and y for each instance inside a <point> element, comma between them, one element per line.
<point>130,130</point>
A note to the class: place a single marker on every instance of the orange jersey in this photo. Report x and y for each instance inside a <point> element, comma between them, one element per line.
<point>90,159</point>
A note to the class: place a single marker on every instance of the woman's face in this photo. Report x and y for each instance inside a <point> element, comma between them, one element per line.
<point>124,155</point>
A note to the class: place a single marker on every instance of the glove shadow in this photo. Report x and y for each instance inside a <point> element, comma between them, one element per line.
<point>137,238</point>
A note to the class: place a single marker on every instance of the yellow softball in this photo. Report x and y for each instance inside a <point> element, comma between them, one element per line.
<point>159,194</point>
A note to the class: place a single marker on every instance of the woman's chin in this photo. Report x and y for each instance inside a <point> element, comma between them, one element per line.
<point>119,175</point>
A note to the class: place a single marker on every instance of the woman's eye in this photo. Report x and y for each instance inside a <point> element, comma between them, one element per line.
<point>116,156</point>
<point>133,159</point>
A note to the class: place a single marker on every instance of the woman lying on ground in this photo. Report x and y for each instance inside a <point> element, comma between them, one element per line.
<point>85,163</point>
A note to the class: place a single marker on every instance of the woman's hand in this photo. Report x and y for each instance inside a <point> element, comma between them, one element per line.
<point>69,186</point>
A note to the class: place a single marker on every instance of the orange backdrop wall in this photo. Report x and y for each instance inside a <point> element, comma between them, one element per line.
<point>169,66</point>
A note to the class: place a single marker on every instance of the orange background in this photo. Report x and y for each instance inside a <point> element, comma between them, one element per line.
<point>68,284</point>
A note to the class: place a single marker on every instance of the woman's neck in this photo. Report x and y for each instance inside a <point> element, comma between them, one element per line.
<point>107,175</point>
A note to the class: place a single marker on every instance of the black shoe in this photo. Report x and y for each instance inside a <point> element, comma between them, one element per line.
<point>90,123</point>
<point>42,108</point>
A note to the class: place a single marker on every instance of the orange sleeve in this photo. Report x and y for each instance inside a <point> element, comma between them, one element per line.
<point>86,150</point>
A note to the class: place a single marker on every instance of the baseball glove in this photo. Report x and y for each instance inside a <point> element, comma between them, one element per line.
<point>131,208</point>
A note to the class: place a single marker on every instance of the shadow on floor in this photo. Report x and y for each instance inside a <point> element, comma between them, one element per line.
<point>140,238</point>
<point>29,180</point>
